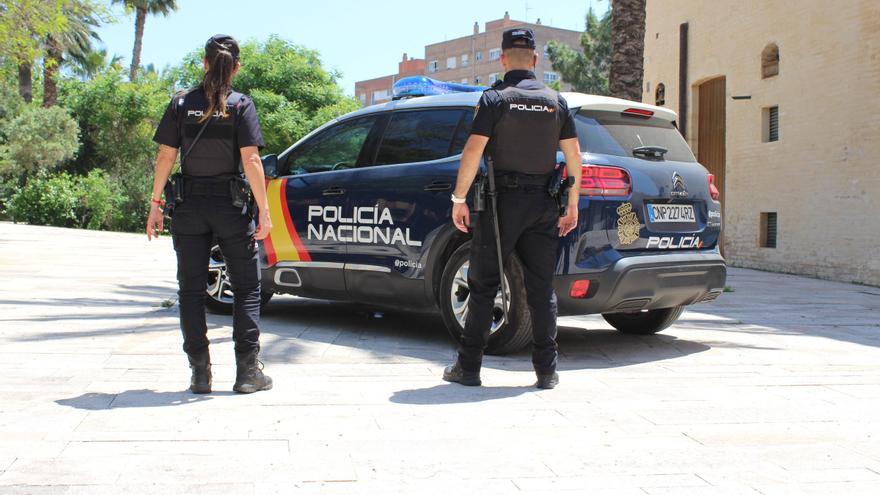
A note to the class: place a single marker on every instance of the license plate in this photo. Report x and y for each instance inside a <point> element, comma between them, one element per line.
<point>671,213</point>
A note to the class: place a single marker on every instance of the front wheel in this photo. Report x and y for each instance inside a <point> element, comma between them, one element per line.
<point>644,322</point>
<point>504,336</point>
<point>219,289</point>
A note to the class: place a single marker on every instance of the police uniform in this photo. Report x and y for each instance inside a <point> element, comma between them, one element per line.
<point>207,214</point>
<point>524,121</point>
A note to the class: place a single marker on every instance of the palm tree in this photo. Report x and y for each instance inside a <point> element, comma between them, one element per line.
<point>627,48</point>
<point>141,9</point>
<point>95,62</point>
<point>75,41</point>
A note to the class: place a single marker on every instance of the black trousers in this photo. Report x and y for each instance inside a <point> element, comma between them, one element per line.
<point>195,225</point>
<point>528,223</point>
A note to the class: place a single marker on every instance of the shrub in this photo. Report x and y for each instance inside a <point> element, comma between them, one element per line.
<point>39,139</point>
<point>64,200</point>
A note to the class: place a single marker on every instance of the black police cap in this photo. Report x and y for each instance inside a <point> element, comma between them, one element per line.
<point>221,42</point>
<point>518,38</point>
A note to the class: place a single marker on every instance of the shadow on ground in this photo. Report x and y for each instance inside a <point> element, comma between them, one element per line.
<point>135,398</point>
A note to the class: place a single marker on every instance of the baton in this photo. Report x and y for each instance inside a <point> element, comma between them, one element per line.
<point>493,198</point>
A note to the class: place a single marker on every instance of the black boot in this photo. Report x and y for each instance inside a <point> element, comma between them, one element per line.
<point>456,374</point>
<point>249,377</point>
<point>548,381</point>
<point>200,383</point>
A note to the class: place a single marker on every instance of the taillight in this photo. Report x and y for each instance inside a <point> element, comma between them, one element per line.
<point>713,191</point>
<point>599,180</point>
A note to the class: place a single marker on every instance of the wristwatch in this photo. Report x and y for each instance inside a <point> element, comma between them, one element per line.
<point>458,200</point>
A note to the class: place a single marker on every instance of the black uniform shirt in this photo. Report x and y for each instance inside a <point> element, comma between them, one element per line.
<point>524,122</point>
<point>214,153</point>
<point>489,108</point>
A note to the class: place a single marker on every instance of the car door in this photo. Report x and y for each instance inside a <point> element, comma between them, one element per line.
<point>401,201</point>
<point>309,208</point>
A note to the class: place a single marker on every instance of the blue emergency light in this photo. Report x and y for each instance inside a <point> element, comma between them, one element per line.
<point>413,86</point>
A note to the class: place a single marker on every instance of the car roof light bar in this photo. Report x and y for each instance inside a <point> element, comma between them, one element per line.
<point>415,86</point>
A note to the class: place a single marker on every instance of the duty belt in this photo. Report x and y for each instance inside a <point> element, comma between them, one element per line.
<point>514,179</point>
<point>207,186</point>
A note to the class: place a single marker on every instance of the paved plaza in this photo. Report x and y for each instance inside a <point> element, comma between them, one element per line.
<point>772,389</point>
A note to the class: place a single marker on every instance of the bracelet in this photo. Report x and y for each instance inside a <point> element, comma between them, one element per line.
<point>457,200</point>
<point>157,201</point>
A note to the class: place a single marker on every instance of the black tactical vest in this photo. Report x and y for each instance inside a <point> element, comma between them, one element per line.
<point>216,152</point>
<point>526,136</point>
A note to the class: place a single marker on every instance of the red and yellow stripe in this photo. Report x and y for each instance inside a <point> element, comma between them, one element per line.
<point>283,243</point>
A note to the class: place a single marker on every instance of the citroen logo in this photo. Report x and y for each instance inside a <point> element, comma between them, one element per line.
<point>679,188</point>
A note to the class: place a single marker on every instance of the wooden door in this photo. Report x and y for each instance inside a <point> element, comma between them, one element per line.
<point>711,133</point>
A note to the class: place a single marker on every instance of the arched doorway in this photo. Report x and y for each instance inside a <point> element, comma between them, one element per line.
<point>711,130</point>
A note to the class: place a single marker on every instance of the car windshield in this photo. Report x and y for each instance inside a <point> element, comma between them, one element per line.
<point>612,133</point>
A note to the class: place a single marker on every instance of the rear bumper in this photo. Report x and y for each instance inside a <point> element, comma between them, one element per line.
<point>646,282</point>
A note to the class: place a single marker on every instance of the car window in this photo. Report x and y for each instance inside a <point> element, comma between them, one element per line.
<point>335,148</point>
<point>420,135</point>
<point>611,133</point>
<point>462,133</point>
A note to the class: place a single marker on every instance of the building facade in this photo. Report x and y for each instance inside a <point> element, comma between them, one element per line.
<point>781,103</point>
<point>378,90</point>
<point>472,59</point>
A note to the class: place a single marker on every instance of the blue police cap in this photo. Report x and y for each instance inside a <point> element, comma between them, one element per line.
<point>221,42</point>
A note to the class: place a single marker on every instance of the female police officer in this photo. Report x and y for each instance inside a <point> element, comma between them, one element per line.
<point>217,131</point>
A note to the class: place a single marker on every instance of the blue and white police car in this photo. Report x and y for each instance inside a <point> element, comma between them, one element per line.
<point>361,212</point>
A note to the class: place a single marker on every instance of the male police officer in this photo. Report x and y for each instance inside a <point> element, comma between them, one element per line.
<point>519,124</point>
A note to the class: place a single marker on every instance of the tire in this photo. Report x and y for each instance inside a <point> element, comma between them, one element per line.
<point>504,337</point>
<point>644,322</point>
<point>219,298</point>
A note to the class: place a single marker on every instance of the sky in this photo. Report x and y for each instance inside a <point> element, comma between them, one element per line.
<point>360,39</point>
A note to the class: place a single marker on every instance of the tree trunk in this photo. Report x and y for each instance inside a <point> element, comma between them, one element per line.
<point>627,48</point>
<point>26,82</point>
<point>51,65</point>
<point>139,19</point>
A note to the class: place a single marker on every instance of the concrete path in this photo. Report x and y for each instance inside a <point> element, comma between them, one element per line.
<point>774,388</point>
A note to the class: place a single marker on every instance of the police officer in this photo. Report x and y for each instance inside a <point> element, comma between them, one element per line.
<point>519,125</point>
<point>218,133</point>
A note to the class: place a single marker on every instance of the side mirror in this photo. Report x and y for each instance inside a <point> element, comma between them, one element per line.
<point>270,166</point>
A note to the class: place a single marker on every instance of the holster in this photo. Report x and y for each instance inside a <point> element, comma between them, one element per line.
<point>242,197</point>
<point>480,192</point>
<point>174,194</point>
<point>558,189</point>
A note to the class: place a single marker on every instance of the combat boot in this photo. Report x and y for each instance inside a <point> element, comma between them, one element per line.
<point>548,381</point>
<point>249,377</point>
<point>457,374</point>
<point>200,382</point>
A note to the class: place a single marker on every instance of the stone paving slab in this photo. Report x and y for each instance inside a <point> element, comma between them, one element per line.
<point>774,388</point>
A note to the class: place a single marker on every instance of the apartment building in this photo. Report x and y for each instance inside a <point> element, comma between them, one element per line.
<point>471,59</point>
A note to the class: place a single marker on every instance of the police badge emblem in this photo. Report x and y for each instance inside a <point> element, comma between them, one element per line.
<point>628,225</point>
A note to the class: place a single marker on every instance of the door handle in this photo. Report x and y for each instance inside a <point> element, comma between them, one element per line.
<point>438,186</point>
<point>333,191</point>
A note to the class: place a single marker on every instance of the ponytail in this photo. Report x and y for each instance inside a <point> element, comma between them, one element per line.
<point>217,82</point>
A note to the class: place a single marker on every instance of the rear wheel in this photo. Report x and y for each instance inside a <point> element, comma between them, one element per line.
<point>504,336</point>
<point>219,289</point>
<point>644,322</point>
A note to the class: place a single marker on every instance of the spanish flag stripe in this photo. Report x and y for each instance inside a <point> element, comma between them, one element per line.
<point>282,244</point>
<point>303,254</point>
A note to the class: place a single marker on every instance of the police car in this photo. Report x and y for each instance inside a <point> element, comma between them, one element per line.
<point>361,212</point>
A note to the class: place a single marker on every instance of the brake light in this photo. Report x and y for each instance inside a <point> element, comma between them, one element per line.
<point>638,112</point>
<point>599,180</point>
<point>579,289</point>
<point>713,191</point>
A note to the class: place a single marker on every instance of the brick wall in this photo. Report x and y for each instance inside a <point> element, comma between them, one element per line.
<point>822,176</point>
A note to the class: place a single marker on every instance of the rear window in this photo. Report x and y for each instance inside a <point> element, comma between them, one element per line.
<point>611,133</point>
<point>422,135</point>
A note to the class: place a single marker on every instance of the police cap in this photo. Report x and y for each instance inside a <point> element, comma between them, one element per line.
<point>221,42</point>
<point>518,38</point>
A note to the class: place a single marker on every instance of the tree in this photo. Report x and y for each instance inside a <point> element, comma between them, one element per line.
<point>94,62</point>
<point>39,139</point>
<point>628,48</point>
<point>141,8</point>
<point>74,40</point>
<point>24,27</point>
<point>586,71</point>
<point>293,93</point>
